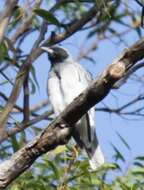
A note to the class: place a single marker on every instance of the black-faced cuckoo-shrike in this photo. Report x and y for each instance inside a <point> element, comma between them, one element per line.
<point>67,79</point>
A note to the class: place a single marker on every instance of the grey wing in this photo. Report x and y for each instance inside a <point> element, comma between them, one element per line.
<point>86,131</point>
<point>74,79</point>
<point>84,75</point>
<point>87,122</point>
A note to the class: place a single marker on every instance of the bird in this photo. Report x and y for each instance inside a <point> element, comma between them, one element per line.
<point>66,80</point>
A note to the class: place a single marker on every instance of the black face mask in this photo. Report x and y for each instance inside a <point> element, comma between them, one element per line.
<point>58,55</point>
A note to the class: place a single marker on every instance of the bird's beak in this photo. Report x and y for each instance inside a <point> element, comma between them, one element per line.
<point>47,49</point>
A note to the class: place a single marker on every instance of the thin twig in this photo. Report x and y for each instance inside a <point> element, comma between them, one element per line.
<point>20,127</point>
<point>26,110</point>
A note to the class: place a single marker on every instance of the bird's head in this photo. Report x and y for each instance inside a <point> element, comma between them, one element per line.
<point>56,54</point>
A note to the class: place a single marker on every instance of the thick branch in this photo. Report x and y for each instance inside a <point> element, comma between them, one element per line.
<point>128,74</point>
<point>59,131</point>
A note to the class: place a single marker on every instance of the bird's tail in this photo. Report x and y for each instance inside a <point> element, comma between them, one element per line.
<point>96,157</point>
<point>85,136</point>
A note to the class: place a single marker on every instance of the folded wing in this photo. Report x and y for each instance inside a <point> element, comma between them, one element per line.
<point>66,81</point>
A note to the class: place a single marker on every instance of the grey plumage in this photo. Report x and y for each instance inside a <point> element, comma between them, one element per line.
<point>67,79</point>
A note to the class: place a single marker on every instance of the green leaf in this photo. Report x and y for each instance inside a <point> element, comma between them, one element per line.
<point>124,141</point>
<point>15,144</point>
<point>138,164</point>
<point>47,16</point>
<point>140,158</point>
<point>54,168</point>
<point>109,166</point>
<point>123,186</point>
<point>33,88</point>
<point>76,176</point>
<point>34,76</point>
<point>3,51</point>
<point>17,16</point>
<point>118,155</point>
<point>139,171</point>
<point>22,138</point>
<point>59,149</point>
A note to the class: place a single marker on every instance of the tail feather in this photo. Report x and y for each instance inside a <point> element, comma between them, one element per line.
<point>85,136</point>
<point>96,159</point>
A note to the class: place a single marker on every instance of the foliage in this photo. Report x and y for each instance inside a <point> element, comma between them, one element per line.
<point>63,171</point>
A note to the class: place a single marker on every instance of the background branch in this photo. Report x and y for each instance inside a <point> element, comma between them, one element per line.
<point>10,6</point>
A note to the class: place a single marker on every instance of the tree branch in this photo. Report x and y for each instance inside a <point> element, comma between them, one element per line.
<point>25,25</point>
<point>6,15</point>
<point>20,127</point>
<point>123,80</point>
<point>119,110</point>
<point>33,109</point>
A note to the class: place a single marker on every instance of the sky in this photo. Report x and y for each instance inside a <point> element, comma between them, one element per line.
<point>107,125</point>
